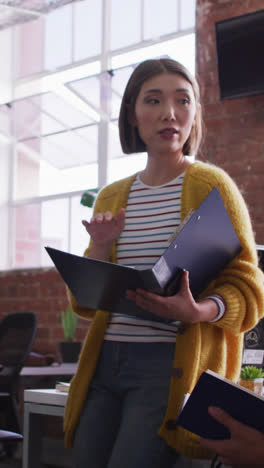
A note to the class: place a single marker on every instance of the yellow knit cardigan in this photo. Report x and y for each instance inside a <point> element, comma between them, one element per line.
<point>217,346</point>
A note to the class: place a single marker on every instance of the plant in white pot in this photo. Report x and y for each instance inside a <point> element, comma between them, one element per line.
<point>69,348</point>
<point>251,377</point>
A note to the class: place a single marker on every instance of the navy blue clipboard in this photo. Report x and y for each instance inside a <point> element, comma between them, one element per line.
<point>206,243</point>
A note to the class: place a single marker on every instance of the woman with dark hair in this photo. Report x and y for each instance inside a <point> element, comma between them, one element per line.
<point>133,373</point>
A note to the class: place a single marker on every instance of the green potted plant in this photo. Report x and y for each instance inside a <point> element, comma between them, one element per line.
<point>251,377</point>
<point>69,348</point>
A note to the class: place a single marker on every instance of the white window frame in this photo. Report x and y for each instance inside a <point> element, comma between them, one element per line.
<point>32,84</point>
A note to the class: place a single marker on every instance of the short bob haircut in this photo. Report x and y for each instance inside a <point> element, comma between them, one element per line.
<point>128,133</point>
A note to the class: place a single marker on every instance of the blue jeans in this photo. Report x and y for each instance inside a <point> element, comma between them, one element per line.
<point>125,407</point>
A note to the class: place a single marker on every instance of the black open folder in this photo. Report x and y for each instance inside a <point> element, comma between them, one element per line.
<point>204,245</point>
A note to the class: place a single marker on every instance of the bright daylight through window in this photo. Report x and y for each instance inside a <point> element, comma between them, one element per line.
<point>60,95</point>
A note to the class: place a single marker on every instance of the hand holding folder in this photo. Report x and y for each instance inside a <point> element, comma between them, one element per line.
<point>244,448</point>
<point>206,243</point>
<point>213,389</point>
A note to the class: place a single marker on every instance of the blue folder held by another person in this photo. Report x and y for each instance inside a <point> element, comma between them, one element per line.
<point>213,389</point>
<point>203,244</point>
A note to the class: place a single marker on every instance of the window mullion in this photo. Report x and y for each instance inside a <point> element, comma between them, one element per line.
<point>104,125</point>
<point>12,166</point>
<point>69,224</point>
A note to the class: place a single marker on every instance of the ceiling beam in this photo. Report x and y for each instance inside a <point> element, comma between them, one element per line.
<point>22,10</point>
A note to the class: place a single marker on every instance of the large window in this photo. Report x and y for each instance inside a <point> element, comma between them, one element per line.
<point>59,135</point>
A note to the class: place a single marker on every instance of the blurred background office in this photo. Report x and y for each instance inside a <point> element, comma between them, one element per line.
<point>64,65</point>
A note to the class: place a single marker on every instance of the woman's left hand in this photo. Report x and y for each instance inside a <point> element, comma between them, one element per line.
<point>182,306</point>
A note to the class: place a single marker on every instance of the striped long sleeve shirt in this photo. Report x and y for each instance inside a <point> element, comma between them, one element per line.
<point>152,215</point>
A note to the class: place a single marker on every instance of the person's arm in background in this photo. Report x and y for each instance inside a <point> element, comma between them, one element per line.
<point>245,448</point>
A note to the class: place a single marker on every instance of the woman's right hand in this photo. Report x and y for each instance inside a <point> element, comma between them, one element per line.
<point>104,229</point>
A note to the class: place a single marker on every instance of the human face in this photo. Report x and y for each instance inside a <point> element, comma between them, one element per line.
<point>165,113</point>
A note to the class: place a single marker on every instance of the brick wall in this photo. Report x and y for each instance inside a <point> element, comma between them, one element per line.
<point>234,141</point>
<point>234,128</point>
<point>41,291</point>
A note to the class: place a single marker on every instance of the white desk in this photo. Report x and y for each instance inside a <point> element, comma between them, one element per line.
<point>60,369</point>
<point>36,403</point>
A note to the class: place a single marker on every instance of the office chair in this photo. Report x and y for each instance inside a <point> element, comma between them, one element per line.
<point>17,335</point>
<point>7,435</point>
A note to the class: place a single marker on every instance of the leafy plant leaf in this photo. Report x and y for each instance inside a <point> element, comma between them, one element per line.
<point>69,323</point>
<point>251,372</point>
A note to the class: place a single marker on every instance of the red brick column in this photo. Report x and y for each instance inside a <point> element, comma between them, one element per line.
<point>234,128</point>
